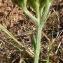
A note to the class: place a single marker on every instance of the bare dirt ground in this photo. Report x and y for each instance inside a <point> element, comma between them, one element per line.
<point>21,26</point>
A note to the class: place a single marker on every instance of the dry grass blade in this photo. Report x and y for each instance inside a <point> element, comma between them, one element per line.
<point>46,37</point>
<point>19,43</point>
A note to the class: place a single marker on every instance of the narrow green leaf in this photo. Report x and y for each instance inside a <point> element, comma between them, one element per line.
<point>33,41</point>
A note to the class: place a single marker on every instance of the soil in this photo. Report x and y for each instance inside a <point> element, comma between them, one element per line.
<point>21,26</point>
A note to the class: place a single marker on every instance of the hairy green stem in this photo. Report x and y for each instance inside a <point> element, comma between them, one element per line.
<point>30,15</point>
<point>37,51</point>
<point>40,26</point>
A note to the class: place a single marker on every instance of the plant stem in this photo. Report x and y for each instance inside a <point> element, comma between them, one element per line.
<point>30,15</point>
<point>45,16</point>
<point>37,51</point>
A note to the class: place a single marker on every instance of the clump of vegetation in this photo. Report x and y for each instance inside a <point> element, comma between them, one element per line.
<point>41,8</point>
